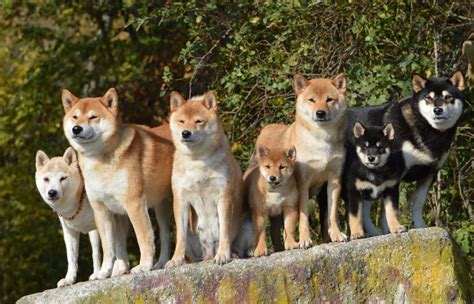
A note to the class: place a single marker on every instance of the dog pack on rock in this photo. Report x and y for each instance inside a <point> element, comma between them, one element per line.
<point>113,173</point>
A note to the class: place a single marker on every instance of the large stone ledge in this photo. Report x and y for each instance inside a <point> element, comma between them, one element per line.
<point>421,266</point>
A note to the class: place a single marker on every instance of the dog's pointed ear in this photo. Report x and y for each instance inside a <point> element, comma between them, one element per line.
<point>299,83</point>
<point>176,101</point>
<point>262,151</point>
<point>457,79</point>
<point>291,153</point>
<point>389,131</point>
<point>210,101</point>
<point>418,82</point>
<point>70,156</point>
<point>41,159</point>
<point>111,101</point>
<point>340,82</point>
<point>68,99</point>
<point>358,129</point>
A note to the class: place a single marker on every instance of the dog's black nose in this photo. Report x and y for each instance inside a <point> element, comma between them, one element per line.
<point>77,130</point>
<point>371,158</point>
<point>52,193</point>
<point>273,178</point>
<point>186,134</point>
<point>321,114</point>
<point>438,111</point>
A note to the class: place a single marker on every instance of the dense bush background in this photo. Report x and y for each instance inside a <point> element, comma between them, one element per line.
<point>245,50</point>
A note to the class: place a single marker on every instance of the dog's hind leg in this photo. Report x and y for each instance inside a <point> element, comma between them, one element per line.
<point>71,239</point>
<point>369,226</point>
<point>418,201</point>
<point>95,244</point>
<point>121,264</point>
<point>163,213</point>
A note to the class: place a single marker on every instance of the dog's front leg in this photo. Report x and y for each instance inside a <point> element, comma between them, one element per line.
<point>418,201</point>
<point>224,209</point>
<point>181,217</point>
<point>71,239</point>
<point>334,194</point>
<point>105,223</point>
<point>121,264</point>
<point>137,212</point>
<point>355,216</point>
<point>303,196</point>
<point>391,210</point>
<point>290,214</point>
<point>95,244</point>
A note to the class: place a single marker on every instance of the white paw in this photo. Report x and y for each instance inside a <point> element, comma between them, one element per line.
<point>398,229</point>
<point>222,258</point>
<point>65,282</point>
<point>174,263</point>
<point>94,276</point>
<point>104,273</point>
<point>120,268</point>
<point>337,236</point>
<point>305,243</point>
<point>141,268</point>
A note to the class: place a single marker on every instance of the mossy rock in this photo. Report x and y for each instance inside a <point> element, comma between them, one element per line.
<point>421,266</point>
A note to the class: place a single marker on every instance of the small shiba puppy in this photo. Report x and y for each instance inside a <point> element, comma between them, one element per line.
<point>372,171</point>
<point>60,184</point>
<point>318,136</point>
<point>206,177</point>
<point>126,170</point>
<point>271,188</point>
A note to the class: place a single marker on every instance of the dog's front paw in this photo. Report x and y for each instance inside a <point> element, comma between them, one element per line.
<point>65,282</point>
<point>305,243</point>
<point>94,276</point>
<point>222,258</point>
<point>336,235</point>
<point>120,268</point>
<point>141,268</point>
<point>357,235</point>
<point>174,263</point>
<point>260,251</point>
<point>291,245</point>
<point>104,273</point>
<point>398,229</point>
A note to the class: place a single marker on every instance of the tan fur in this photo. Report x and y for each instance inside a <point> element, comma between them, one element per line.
<point>205,176</point>
<point>126,168</point>
<point>320,146</point>
<point>266,199</point>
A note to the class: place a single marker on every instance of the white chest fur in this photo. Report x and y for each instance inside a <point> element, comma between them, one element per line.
<point>105,184</point>
<point>414,156</point>
<point>376,190</point>
<point>275,201</point>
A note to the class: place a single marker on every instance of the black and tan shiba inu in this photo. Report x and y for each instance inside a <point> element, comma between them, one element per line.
<point>372,171</point>
<point>425,126</point>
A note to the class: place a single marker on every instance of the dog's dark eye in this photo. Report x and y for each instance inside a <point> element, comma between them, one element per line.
<point>46,179</point>
<point>428,98</point>
<point>448,98</point>
<point>181,121</point>
<point>63,178</point>
<point>329,99</point>
<point>311,100</point>
<point>267,166</point>
<point>381,150</point>
<point>74,117</point>
<point>282,167</point>
<point>199,121</point>
<point>92,117</point>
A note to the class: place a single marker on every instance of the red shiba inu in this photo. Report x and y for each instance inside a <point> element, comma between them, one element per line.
<point>205,176</point>
<point>126,169</point>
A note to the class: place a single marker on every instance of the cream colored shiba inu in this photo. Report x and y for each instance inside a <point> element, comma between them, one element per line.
<point>205,176</point>
<point>318,136</point>
<point>60,184</point>
<point>126,169</point>
<point>271,188</point>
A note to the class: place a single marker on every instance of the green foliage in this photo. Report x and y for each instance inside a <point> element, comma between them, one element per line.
<point>245,50</point>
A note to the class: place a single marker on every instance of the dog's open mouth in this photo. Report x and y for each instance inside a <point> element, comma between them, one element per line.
<point>274,184</point>
<point>371,165</point>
